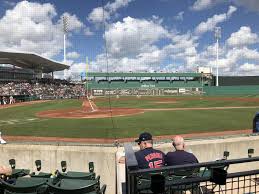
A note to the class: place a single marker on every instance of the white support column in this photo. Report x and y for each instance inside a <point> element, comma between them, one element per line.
<point>65,59</point>
<point>217,61</point>
<point>65,30</point>
<point>217,36</point>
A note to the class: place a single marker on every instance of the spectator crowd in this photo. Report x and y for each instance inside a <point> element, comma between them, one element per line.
<point>148,157</point>
<point>39,90</point>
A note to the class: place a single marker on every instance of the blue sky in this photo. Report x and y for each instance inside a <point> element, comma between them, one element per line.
<point>140,35</point>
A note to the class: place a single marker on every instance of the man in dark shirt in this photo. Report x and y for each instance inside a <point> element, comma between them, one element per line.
<point>179,156</point>
<point>148,157</point>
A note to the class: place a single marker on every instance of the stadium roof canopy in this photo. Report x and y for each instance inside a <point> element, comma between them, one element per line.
<point>133,74</point>
<point>31,61</point>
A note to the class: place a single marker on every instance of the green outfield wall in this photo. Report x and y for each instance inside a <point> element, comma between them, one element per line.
<point>184,89</point>
<point>138,84</point>
<point>155,88</point>
<point>231,90</point>
<point>238,80</point>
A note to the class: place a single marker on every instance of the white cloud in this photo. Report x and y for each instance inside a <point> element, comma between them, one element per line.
<point>205,4</point>
<point>131,36</point>
<point>99,14</point>
<point>179,16</point>
<point>199,5</point>
<point>88,32</point>
<point>9,3</point>
<point>31,27</point>
<point>248,67</point>
<point>117,4</point>
<point>181,42</point>
<point>243,37</point>
<point>231,60</point>
<point>74,72</point>
<point>212,22</point>
<point>252,5</point>
<point>131,47</point>
<point>73,55</point>
<point>78,67</point>
<point>231,10</point>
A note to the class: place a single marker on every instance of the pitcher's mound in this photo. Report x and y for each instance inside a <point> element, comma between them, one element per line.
<point>80,113</point>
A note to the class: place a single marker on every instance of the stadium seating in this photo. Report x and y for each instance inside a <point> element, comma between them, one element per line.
<point>66,186</point>
<point>23,185</point>
<point>17,172</point>
<point>48,183</point>
<point>208,177</point>
<point>39,90</point>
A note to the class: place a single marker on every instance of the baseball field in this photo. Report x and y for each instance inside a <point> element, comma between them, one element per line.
<point>158,115</point>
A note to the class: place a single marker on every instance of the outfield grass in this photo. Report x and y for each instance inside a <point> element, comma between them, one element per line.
<point>22,120</point>
<point>181,102</point>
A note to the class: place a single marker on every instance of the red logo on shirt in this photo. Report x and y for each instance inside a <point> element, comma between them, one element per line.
<point>156,164</point>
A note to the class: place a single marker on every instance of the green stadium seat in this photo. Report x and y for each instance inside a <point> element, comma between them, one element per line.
<point>68,186</point>
<point>25,185</point>
<point>206,172</point>
<point>183,174</point>
<point>144,181</point>
<point>41,175</point>
<point>44,183</point>
<point>77,175</point>
<point>19,173</point>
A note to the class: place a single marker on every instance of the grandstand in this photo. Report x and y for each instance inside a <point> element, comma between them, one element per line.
<point>16,74</point>
<point>25,80</point>
<point>26,66</point>
<point>102,84</point>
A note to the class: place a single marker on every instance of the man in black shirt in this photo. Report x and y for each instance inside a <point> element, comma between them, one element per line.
<point>179,156</point>
<point>148,157</point>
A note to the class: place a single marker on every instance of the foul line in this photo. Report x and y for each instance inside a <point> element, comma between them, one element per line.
<point>201,108</point>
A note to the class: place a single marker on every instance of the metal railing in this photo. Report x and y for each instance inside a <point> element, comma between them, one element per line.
<point>207,177</point>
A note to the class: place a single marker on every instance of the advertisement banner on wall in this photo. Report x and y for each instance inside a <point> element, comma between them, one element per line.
<point>182,90</point>
<point>98,92</point>
<point>170,91</point>
<point>147,92</point>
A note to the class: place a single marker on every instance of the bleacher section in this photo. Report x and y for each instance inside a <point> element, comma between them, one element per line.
<point>101,84</point>
<point>142,84</point>
<point>39,89</point>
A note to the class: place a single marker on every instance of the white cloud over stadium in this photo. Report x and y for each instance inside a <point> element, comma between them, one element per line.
<point>135,42</point>
<point>35,27</point>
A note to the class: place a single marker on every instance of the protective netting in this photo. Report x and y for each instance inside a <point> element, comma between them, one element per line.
<point>130,66</point>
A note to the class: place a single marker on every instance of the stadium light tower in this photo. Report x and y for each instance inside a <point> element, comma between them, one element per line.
<point>65,30</point>
<point>217,36</point>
